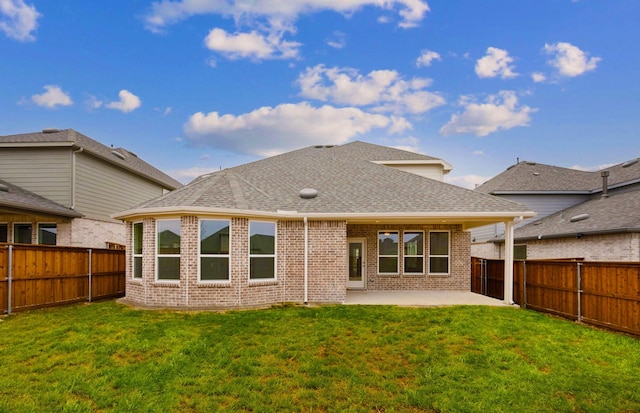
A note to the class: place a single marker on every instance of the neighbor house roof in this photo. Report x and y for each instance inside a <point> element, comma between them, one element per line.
<point>69,137</point>
<point>614,214</point>
<point>532,177</point>
<point>17,200</point>
<point>349,184</point>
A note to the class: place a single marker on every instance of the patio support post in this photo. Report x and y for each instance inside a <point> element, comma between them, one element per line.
<point>9,278</point>
<point>90,280</point>
<point>508,262</point>
<point>306,261</point>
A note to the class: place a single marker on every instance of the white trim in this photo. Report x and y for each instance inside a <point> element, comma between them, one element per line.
<point>274,255</point>
<point>397,256</point>
<point>404,255</point>
<point>363,241</point>
<point>157,255</point>
<point>200,255</point>
<point>448,255</point>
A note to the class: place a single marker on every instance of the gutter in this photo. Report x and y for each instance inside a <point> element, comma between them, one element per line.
<point>572,234</point>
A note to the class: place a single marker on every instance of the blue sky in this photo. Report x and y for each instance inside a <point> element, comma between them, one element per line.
<point>193,86</point>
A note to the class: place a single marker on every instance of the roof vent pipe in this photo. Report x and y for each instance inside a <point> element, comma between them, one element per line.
<point>605,183</point>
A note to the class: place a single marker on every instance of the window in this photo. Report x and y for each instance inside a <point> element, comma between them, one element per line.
<point>22,233</point>
<point>214,250</point>
<point>47,234</point>
<point>413,252</point>
<point>168,245</point>
<point>137,250</point>
<point>262,250</point>
<point>4,233</point>
<point>520,252</point>
<point>439,252</point>
<point>388,252</point>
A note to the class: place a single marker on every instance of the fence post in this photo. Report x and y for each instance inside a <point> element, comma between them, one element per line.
<point>579,264</point>
<point>9,277</point>
<point>90,278</point>
<point>524,284</point>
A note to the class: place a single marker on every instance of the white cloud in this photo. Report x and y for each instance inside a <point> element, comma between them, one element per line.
<point>467,181</point>
<point>383,90</point>
<point>18,20</point>
<point>499,112</point>
<point>337,40</point>
<point>128,102</point>
<point>189,174</point>
<point>252,45</point>
<point>166,12</point>
<point>410,144</point>
<point>496,62</point>
<point>54,96</point>
<point>93,102</point>
<point>478,153</point>
<point>538,77</point>
<point>570,60</point>
<point>427,57</point>
<point>269,130</point>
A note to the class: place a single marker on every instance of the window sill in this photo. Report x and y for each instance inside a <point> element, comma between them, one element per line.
<point>389,275</point>
<point>214,284</point>
<point>136,281</point>
<point>258,283</point>
<point>171,284</point>
<point>439,275</point>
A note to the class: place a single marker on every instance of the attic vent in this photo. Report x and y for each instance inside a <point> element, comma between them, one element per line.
<point>308,193</point>
<point>531,163</point>
<point>50,130</point>
<point>580,217</point>
<point>319,146</point>
<point>324,146</point>
<point>629,163</point>
<point>536,174</point>
<point>118,155</point>
<point>4,188</point>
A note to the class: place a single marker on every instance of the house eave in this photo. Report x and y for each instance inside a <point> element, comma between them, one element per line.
<point>573,234</point>
<point>579,192</point>
<point>466,219</point>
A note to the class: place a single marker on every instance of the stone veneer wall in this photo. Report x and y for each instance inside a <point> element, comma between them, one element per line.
<point>326,271</point>
<point>460,264</point>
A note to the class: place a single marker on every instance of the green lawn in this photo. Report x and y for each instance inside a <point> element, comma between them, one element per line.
<point>107,357</point>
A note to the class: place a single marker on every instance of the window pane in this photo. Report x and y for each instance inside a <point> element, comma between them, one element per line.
<point>214,237</point>
<point>137,267</point>
<point>439,243</point>
<point>262,267</point>
<point>137,238</point>
<point>169,237</point>
<point>520,252</point>
<point>4,233</point>
<point>262,238</point>
<point>47,234</point>
<point>388,264</point>
<point>22,233</point>
<point>214,268</point>
<point>413,243</point>
<point>168,268</point>
<point>439,265</point>
<point>413,264</point>
<point>388,243</point>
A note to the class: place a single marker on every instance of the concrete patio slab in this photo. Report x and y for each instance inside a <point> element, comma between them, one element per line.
<point>419,298</point>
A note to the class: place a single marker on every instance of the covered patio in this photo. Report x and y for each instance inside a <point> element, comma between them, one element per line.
<point>410,298</point>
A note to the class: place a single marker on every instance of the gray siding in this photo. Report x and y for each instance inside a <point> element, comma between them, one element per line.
<point>103,189</point>
<point>44,171</point>
<point>543,205</point>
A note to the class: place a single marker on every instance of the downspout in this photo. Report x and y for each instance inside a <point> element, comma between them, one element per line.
<point>73,178</point>
<point>306,261</point>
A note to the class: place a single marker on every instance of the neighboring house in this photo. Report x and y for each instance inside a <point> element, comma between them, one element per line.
<point>590,215</point>
<point>305,226</point>
<point>60,187</point>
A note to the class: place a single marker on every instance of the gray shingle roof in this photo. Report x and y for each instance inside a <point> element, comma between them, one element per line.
<point>619,212</point>
<point>126,159</point>
<point>17,199</point>
<point>537,177</point>
<point>345,178</point>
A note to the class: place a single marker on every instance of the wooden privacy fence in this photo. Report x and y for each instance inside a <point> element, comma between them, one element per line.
<point>605,294</point>
<point>34,276</point>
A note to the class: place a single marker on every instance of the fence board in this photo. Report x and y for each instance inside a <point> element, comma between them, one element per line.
<point>45,276</point>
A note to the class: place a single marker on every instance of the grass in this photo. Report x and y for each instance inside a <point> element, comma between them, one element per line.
<point>107,357</point>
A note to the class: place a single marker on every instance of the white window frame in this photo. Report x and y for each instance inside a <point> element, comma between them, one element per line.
<point>38,231</point>
<point>405,256</point>
<point>201,255</point>
<point>448,255</point>
<point>133,249</point>
<point>274,255</point>
<point>397,256</point>
<point>13,227</point>
<point>158,256</point>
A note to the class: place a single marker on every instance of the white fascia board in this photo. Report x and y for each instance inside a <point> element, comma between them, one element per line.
<point>446,166</point>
